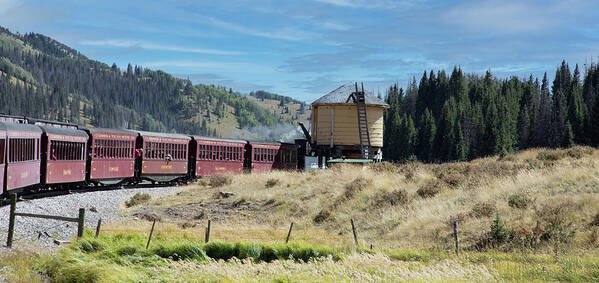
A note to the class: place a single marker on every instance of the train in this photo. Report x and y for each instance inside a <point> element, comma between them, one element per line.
<point>38,155</point>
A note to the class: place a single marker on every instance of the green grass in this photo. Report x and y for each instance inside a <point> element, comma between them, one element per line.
<point>123,257</point>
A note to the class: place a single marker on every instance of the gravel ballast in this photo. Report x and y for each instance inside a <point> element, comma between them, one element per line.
<point>44,232</point>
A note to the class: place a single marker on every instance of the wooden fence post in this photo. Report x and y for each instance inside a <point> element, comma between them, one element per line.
<point>455,235</point>
<point>11,220</point>
<point>207,239</point>
<point>151,232</point>
<point>289,234</point>
<point>353,227</point>
<point>81,222</point>
<point>98,227</point>
<point>536,238</point>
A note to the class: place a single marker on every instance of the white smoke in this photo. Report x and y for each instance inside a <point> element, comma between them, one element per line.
<point>280,133</point>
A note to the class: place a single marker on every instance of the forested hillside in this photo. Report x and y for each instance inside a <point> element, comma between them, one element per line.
<point>287,107</point>
<point>461,117</point>
<point>43,78</point>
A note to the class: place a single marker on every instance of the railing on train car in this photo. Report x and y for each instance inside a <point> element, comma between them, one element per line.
<point>13,119</point>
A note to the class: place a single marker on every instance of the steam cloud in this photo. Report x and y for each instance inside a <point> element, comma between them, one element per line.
<point>280,133</point>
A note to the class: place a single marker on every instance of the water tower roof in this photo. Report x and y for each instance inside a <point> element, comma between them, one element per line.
<point>341,95</point>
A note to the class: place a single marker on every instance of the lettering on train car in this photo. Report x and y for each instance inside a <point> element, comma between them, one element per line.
<point>166,167</point>
<point>113,136</point>
<point>24,175</point>
<point>67,172</point>
<point>113,169</point>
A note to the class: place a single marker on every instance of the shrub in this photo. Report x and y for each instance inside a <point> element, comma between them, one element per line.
<point>395,197</point>
<point>521,236</point>
<point>483,209</point>
<point>431,189</point>
<point>453,180</point>
<point>498,234</point>
<point>595,221</point>
<point>356,186</point>
<point>137,199</point>
<point>550,155</point>
<point>271,183</point>
<point>558,220</point>
<point>519,200</point>
<point>322,216</point>
<point>578,152</point>
<point>220,180</point>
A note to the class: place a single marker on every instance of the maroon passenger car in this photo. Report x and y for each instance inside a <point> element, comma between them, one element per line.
<point>64,155</point>
<point>21,160</point>
<point>2,155</point>
<point>163,157</point>
<point>218,156</point>
<point>262,155</point>
<point>112,155</point>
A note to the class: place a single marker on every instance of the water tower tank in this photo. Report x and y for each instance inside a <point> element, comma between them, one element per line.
<point>335,122</point>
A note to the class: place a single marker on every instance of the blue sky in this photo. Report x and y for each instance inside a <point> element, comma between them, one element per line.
<point>304,49</point>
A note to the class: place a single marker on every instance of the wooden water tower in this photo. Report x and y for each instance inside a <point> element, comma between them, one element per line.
<point>347,123</point>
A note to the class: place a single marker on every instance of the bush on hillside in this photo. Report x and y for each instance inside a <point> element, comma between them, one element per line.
<point>498,234</point>
<point>578,152</point>
<point>137,199</point>
<point>519,200</point>
<point>385,198</point>
<point>595,221</point>
<point>219,180</point>
<point>559,220</point>
<point>550,155</point>
<point>271,183</point>
<point>430,189</point>
<point>356,186</point>
<point>483,209</point>
<point>322,216</point>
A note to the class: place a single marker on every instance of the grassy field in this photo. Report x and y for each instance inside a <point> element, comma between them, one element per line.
<point>404,216</point>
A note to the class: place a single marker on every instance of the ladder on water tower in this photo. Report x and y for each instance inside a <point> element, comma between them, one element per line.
<point>360,99</point>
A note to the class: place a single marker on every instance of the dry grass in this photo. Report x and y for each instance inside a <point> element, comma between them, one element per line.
<point>410,205</point>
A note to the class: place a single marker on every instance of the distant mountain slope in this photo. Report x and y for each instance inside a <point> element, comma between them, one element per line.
<point>287,107</point>
<point>44,78</point>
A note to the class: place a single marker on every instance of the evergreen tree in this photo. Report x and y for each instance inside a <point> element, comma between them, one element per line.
<point>406,137</point>
<point>543,127</point>
<point>594,124</point>
<point>577,110</point>
<point>426,136</point>
<point>524,127</point>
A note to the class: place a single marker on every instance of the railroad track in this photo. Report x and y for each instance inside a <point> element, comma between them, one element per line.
<point>83,189</point>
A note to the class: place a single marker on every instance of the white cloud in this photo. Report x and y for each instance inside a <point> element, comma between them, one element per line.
<point>335,26</point>
<point>514,16</point>
<point>153,46</point>
<point>290,34</point>
<point>211,66</point>
<point>372,4</point>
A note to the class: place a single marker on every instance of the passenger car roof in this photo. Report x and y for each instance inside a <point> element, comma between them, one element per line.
<point>218,139</point>
<point>63,131</point>
<point>162,135</point>
<point>20,127</point>
<point>111,131</point>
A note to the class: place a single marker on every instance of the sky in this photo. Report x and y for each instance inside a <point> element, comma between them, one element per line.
<point>304,49</point>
